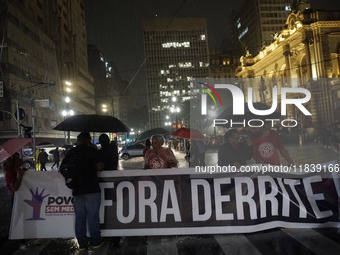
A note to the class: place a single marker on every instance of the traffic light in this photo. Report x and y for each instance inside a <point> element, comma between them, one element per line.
<point>27,131</point>
<point>21,114</point>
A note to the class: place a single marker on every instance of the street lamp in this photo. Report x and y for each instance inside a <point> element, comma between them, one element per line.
<point>67,112</point>
<point>104,108</point>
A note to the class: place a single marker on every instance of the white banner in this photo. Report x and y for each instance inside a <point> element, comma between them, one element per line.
<point>183,201</point>
<point>42,207</point>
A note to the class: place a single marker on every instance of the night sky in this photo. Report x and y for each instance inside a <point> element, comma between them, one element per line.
<point>115,27</point>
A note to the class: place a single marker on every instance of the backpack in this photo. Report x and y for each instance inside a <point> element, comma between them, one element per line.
<point>71,169</point>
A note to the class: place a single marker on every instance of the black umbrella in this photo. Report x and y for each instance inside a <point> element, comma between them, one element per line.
<point>147,134</point>
<point>92,123</point>
<point>248,115</point>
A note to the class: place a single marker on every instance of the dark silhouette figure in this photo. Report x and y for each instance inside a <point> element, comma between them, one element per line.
<point>234,151</point>
<point>108,153</point>
<point>56,157</point>
<point>147,146</point>
<point>42,159</point>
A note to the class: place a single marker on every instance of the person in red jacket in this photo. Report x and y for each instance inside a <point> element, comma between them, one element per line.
<point>14,172</point>
<point>159,156</point>
<point>266,144</point>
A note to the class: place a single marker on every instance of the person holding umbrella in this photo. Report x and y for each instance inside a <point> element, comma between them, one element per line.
<point>86,192</point>
<point>159,156</point>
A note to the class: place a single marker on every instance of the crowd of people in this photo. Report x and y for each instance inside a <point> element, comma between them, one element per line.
<point>262,144</point>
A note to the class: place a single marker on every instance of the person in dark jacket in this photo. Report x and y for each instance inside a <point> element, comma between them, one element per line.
<point>147,147</point>
<point>87,193</point>
<point>42,159</point>
<point>234,151</point>
<point>56,157</point>
<point>108,152</point>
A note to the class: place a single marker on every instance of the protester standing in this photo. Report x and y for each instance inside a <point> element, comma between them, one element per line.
<point>13,172</point>
<point>158,156</point>
<point>234,151</point>
<point>87,193</point>
<point>56,157</point>
<point>108,152</point>
<point>42,159</point>
<point>266,144</point>
<point>147,147</point>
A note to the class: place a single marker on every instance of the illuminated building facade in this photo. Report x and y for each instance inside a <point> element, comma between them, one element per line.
<point>305,55</point>
<point>176,51</point>
<point>257,21</point>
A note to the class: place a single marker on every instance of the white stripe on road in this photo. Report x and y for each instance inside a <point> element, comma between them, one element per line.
<point>314,241</point>
<point>162,245</point>
<point>236,244</point>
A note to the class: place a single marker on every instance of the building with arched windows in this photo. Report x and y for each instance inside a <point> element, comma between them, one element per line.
<point>304,55</point>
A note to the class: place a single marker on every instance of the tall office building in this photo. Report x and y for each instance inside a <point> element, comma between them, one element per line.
<point>176,51</point>
<point>257,21</point>
<point>43,56</point>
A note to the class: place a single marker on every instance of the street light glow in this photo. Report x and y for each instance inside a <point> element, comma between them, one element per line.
<point>64,113</point>
<point>68,90</point>
<point>68,83</point>
<point>71,112</point>
<point>67,99</point>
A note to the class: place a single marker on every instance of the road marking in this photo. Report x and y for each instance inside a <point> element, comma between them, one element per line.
<point>314,241</point>
<point>236,244</point>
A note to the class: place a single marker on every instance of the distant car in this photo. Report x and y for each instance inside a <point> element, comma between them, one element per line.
<point>132,150</point>
<point>28,162</point>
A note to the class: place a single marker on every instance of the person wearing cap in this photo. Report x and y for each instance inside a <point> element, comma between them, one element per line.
<point>87,193</point>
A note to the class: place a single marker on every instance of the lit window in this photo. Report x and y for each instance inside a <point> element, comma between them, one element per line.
<point>243,33</point>
<point>184,65</point>
<point>203,37</point>
<point>238,23</point>
<point>176,44</point>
